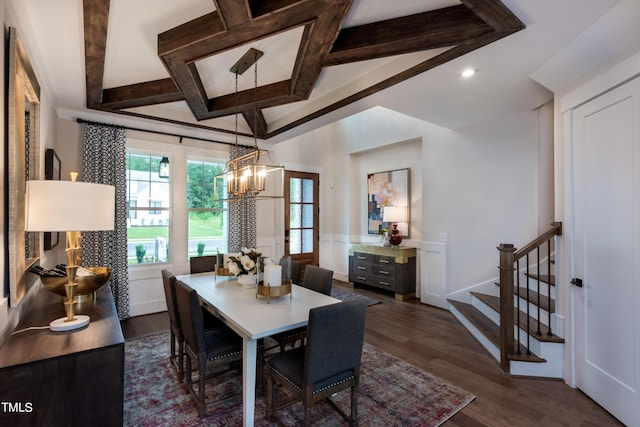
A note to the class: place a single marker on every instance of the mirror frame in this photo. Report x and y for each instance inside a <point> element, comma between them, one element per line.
<point>23,95</point>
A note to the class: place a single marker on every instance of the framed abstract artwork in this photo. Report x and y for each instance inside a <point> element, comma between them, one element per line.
<point>389,188</point>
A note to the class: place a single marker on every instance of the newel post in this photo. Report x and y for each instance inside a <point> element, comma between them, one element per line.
<point>507,261</point>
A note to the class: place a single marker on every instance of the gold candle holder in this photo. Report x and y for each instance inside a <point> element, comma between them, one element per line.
<point>274,291</point>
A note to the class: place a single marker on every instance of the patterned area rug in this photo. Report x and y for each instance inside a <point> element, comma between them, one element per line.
<point>343,295</point>
<point>392,393</point>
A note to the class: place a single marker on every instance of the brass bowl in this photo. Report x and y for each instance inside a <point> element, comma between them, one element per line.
<point>86,284</point>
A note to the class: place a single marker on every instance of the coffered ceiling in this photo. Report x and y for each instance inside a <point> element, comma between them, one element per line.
<point>165,64</point>
<point>301,39</point>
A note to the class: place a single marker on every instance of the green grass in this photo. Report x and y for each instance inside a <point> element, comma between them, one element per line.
<point>198,228</point>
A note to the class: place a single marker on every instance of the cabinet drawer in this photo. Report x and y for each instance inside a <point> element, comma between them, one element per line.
<point>363,257</point>
<point>375,280</point>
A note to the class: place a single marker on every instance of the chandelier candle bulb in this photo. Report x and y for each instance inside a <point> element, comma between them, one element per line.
<point>272,275</point>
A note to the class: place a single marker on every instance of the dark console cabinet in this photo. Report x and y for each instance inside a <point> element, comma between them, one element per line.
<point>390,268</point>
<point>73,378</point>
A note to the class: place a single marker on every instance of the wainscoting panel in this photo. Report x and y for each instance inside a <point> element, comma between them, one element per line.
<point>433,266</point>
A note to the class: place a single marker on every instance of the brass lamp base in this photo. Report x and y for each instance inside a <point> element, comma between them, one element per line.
<point>63,324</point>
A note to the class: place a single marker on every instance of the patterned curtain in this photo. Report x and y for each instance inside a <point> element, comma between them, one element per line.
<point>242,214</point>
<point>104,162</point>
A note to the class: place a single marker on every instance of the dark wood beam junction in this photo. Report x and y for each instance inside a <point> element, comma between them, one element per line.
<point>325,42</point>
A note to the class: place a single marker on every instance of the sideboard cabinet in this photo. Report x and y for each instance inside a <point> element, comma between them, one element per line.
<point>73,378</point>
<point>391,268</point>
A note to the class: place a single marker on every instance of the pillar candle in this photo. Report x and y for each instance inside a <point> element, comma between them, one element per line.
<point>272,275</point>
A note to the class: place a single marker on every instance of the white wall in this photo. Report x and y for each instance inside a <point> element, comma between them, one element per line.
<point>481,186</point>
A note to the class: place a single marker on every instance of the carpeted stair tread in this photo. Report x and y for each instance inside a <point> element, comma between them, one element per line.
<point>491,331</point>
<point>494,303</point>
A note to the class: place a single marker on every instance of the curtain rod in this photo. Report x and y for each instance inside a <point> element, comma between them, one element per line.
<point>79,120</point>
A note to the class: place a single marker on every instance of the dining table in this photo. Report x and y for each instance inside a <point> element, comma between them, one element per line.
<point>253,317</point>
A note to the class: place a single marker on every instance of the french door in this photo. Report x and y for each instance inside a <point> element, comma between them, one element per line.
<point>301,217</point>
<point>606,250</point>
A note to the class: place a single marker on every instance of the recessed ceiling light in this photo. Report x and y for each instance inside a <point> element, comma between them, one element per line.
<point>468,72</point>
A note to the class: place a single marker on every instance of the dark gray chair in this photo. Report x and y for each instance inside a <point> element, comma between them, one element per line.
<point>176,357</point>
<point>294,266</point>
<point>317,279</point>
<point>296,271</point>
<point>205,349</point>
<point>328,363</point>
<point>202,264</point>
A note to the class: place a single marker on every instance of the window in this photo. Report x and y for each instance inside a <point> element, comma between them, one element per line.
<point>148,203</point>
<point>207,219</point>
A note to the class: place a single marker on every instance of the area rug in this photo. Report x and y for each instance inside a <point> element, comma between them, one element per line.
<point>343,295</point>
<point>392,393</point>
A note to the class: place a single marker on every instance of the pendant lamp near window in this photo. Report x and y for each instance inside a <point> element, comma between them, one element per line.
<point>163,169</point>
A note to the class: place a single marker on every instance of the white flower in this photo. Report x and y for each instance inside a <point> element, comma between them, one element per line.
<point>247,263</point>
<point>244,262</point>
<point>268,261</point>
<point>233,268</point>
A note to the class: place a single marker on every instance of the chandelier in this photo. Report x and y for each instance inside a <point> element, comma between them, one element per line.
<point>245,175</point>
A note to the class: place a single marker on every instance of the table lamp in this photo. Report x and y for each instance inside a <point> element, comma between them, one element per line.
<point>72,207</point>
<point>394,215</point>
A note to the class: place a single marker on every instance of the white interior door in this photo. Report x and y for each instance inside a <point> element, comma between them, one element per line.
<point>606,251</point>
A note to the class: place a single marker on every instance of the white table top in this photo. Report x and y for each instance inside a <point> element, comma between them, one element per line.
<point>250,316</point>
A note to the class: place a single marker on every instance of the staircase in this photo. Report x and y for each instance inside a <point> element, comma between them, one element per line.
<point>527,344</point>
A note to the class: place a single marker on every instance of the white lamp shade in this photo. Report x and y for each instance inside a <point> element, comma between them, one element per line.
<point>69,206</point>
<point>394,214</point>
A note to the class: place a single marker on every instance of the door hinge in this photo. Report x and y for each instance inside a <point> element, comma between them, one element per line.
<point>577,282</point>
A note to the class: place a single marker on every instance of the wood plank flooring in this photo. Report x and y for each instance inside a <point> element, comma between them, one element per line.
<point>432,339</point>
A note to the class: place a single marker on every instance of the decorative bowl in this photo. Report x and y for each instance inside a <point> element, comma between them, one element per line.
<point>86,284</point>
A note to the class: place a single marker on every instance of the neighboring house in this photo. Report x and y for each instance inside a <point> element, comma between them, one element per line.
<point>141,196</point>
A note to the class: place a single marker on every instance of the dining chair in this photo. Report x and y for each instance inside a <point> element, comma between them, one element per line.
<point>176,357</point>
<point>317,279</point>
<point>328,363</point>
<point>296,271</point>
<point>204,348</point>
<point>202,264</point>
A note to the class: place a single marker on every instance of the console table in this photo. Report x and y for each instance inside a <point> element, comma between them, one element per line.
<point>73,378</point>
<point>392,268</point>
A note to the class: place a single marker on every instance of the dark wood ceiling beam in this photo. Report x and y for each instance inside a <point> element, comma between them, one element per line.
<point>256,121</point>
<point>189,32</point>
<point>426,65</point>
<point>141,94</point>
<point>302,53</point>
<point>96,21</point>
<point>188,81</point>
<point>198,47</point>
<point>268,96</point>
<point>494,13</point>
<point>233,12</point>
<point>262,7</point>
<point>323,35</point>
<point>424,31</point>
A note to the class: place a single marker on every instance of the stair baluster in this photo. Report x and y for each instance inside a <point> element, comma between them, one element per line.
<point>510,266</point>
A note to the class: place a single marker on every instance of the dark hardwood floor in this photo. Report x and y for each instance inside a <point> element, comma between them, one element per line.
<point>432,339</point>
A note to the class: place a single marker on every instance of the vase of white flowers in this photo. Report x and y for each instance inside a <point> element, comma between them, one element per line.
<point>245,266</point>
